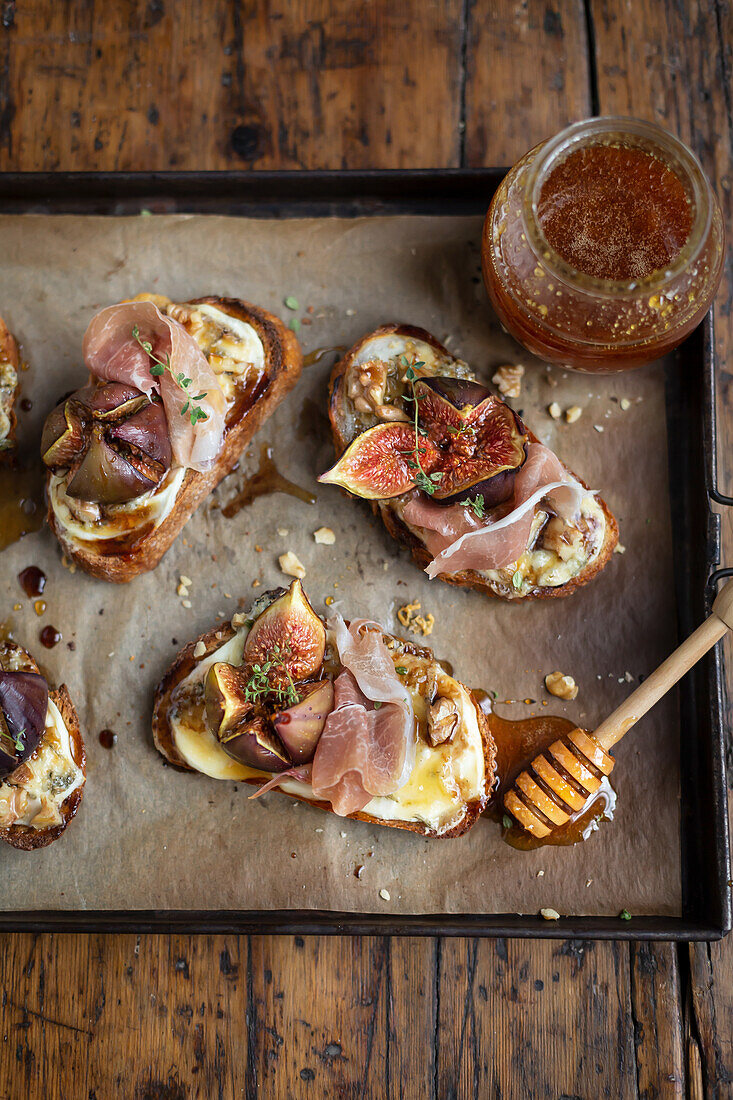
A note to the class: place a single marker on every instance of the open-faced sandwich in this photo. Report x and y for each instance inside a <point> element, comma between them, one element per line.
<point>176,391</point>
<point>42,760</point>
<point>338,714</point>
<point>9,365</point>
<point>455,474</point>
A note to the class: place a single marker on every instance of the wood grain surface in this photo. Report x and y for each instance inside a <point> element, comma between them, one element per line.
<point>114,84</point>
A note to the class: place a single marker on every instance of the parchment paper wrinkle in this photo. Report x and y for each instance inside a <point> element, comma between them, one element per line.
<point>148,836</point>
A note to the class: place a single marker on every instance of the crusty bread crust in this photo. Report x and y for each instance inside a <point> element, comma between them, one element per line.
<point>284,362</point>
<point>25,837</point>
<point>9,354</point>
<point>184,664</point>
<point>467,578</point>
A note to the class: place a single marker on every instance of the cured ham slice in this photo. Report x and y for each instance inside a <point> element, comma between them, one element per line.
<point>364,750</point>
<point>458,540</point>
<point>112,353</point>
<point>302,773</point>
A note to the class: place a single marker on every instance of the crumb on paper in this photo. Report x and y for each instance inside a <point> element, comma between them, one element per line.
<point>282,532</point>
<point>628,678</point>
<point>343,835</point>
<point>554,410</point>
<point>588,881</point>
<point>319,830</point>
<point>573,413</point>
<point>186,603</point>
<point>561,685</point>
<point>181,590</point>
<point>625,403</point>
<point>414,622</point>
<point>619,548</point>
<point>550,914</point>
<point>508,379</point>
<point>238,619</point>
<point>199,649</point>
<point>291,565</point>
<point>324,536</point>
<point>598,427</point>
<point>540,874</point>
<point>185,580</point>
<point>385,895</point>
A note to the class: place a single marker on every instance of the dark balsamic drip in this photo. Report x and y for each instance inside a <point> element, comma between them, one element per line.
<point>107,739</point>
<point>32,581</point>
<point>50,637</point>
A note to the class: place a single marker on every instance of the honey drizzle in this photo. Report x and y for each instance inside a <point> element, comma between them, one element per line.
<point>267,479</point>
<point>317,354</point>
<point>21,499</point>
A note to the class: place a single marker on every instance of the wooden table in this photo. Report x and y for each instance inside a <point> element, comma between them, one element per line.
<point>127,84</point>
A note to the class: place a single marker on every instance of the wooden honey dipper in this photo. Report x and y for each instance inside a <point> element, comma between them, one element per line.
<point>543,797</point>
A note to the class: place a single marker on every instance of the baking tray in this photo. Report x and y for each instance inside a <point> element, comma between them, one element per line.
<point>690,401</point>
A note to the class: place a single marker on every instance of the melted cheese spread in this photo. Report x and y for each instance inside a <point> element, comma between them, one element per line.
<point>35,792</point>
<point>444,779</point>
<point>119,519</point>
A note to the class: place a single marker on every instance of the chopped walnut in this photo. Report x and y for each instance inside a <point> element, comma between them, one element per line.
<point>291,564</point>
<point>199,649</point>
<point>508,380</point>
<point>565,541</point>
<point>442,721</point>
<point>573,413</point>
<point>366,383</point>
<point>324,536</point>
<point>550,914</point>
<point>186,315</point>
<point>554,410</point>
<point>418,624</point>
<point>560,685</point>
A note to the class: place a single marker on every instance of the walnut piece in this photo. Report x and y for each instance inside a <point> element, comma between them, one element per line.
<point>508,380</point>
<point>365,385</point>
<point>573,413</point>
<point>560,685</point>
<point>443,721</point>
<point>291,564</point>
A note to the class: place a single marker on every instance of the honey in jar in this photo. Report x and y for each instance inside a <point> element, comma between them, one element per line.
<point>603,247</point>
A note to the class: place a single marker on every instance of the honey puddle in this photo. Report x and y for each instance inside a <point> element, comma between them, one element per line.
<point>21,500</point>
<point>267,479</point>
<point>518,742</point>
<point>317,354</point>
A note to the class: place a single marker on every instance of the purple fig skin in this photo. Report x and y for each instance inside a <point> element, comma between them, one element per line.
<point>300,726</point>
<point>113,439</point>
<point>256,745</point>
<point>495,490</point>
<point>24,704</point>
<point>460,392</point>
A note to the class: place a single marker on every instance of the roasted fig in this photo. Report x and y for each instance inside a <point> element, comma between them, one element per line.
<point>300,726</point>
<point>479,437</point>
<point>112,438</point>
<point>381,463</point>
<point>23,707</point>
<point>227,705</point>
<point>256,744</point>
<point>288,637</point>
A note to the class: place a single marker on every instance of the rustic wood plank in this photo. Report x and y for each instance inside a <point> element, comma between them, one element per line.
<point>527,76</point>
<point>541,1019</point>
<point>656,1006</point>
<point>223,84</point>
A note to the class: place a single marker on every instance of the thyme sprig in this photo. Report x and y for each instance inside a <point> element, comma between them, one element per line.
<point>476,504</point>
<point>160,366</point>
<point>270,680</point>
<point>423,480</point>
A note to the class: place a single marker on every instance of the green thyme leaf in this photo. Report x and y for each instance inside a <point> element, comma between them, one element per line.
<point>294,325</point>
<point>517,579</point>
<point>401,669</point>
<point>291,302</point>
<point>18,741</point>
<point>476,504</point>
<point>377,706</point>
<point>157,369</point>
<point>625,914</point>
<point>507,821</point>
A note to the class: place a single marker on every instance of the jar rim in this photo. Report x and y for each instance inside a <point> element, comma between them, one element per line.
<point>673,151</point>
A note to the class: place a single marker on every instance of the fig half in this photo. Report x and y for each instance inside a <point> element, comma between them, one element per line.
<point>380,463</point>
<point>300,726</point>
<point>256,744</point>
<point>289,636</point>
<point>112,438</point>
<point>231,716</point>
<point>479,437</point>
<point>23,707</point>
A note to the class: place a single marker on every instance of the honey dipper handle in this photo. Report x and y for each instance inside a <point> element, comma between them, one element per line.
<point>670,671</point>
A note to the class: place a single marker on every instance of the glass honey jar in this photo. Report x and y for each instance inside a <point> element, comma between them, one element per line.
<point>603,247</point>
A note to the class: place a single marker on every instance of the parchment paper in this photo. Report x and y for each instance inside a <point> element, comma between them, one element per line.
<point>148,836</point>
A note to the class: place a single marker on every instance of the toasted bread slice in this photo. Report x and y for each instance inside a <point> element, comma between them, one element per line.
<point>386,345</point>
<point>29,837</point>
<point>121,559</point>
<point>178,714</point>
<point>9,367</point>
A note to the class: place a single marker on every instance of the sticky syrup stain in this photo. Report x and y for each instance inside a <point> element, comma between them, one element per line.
<point>39,607</point>
<point>518,742</point>
<point>317,354</point>
<point>32,581</point>
<point>50,637</point>
<point>266,479</point>
<point>21,499</point>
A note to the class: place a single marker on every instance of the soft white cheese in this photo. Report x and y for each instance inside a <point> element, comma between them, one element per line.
<point>153,506</point>
<point>55,775</point>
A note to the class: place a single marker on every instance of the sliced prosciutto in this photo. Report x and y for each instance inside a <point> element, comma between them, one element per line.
<point>365,749</point>
<point>113,353</point>
<point>458,540</point>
